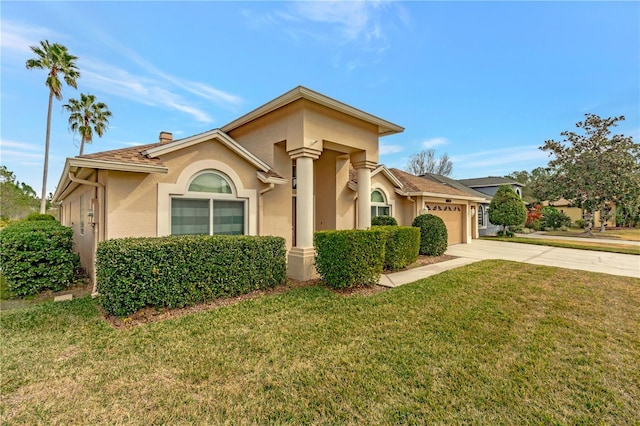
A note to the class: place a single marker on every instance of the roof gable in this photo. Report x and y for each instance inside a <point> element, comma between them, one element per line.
<point>384,127</point>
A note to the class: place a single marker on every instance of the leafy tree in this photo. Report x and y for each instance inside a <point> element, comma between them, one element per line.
<point>57,61</point>
<point>17,199</point>
<point>538,184</point>
<point>87,116</point>
<point>425,162</point>
<point>594,166</point>
<point>507,208</point>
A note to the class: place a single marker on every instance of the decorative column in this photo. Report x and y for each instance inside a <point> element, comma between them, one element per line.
<point>301,256</point>
<point>363,169</point>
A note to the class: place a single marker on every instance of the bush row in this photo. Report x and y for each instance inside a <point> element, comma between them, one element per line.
<point>37,255</point>
<point>178,271</point>
<point>352,258</point>
<point>401,246</point>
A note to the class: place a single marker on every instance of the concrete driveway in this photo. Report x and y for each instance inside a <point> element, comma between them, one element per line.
<point>626,265</point>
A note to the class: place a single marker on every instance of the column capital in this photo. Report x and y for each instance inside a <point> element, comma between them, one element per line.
<point>314,154</point>
<point>365,164</point>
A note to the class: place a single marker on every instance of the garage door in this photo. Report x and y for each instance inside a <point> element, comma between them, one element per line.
<point>451,214</point>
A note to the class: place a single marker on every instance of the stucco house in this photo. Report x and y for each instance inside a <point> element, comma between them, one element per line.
<point>302,162</point>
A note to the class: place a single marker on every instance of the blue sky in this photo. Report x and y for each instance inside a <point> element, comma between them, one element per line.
<point>485,82</point>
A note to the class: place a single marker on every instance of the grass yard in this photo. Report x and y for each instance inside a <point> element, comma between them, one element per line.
<point>630,234</point>
<point>494,342</point>
<point>581,245</point>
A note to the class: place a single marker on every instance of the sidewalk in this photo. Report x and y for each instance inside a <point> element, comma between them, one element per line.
<point>396,279</point>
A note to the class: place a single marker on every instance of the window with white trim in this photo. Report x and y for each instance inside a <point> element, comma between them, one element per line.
<point>210,206</point>
<point>379,206</point>
<point>482,216</point>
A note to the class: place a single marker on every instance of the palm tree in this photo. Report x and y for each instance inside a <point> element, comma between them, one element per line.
<point>56,60</point>
<point>87,116</point>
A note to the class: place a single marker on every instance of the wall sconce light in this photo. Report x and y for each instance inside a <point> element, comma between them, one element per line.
<point>90,216</point>
<point>473,211</point>
<point>425,210</point>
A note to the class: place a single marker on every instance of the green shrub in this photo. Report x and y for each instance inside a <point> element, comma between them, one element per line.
<point>401,247</point>
<point>350,258</point>
<point>554,218</point>
<point>507,208</point>
<point>37,256</point>
<point>39,216</point>
<point>179,271</point>
<point>384,221</point>
<point>433,234</point>
<point>580,223</point>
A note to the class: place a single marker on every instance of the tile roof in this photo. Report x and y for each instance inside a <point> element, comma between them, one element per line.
<point>132,155</point>
<point>452,182</point>
<point>413,183</point>
<point>488,181</point>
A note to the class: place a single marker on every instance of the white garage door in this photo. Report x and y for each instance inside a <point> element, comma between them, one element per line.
<point>451,214</point>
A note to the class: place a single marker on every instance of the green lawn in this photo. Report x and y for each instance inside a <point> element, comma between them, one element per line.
<point>581,245</point>
<point>630,234</point>
<point>494,342</point>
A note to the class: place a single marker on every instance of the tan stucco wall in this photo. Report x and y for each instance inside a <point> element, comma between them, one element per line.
<point>132,198</point>
<point>83,243</point>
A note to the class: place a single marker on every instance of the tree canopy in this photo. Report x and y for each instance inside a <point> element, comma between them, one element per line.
<point>591,167</point>
<point>425,162</point>
<point>538,184</point>
<point>86,117</point>
<point>17,199</point>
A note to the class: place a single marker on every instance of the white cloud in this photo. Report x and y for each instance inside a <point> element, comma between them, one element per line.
<point>356,31</point>
<point>17,36</point>
<point>4,144</point>
<point>430,143</point>
<point>502,156</point>
<point>389,149</point>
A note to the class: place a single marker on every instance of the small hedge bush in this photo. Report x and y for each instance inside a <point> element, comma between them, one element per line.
<point>36,256</point>
<point>39,216</point>
<point>384,221</point>
<point>350,258</point>
<point>433,234</point>
<point>554,218</point>
<point>401,247</point>
<point>179,271</point>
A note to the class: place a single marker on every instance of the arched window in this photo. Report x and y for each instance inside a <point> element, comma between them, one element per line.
<point>379,206</point>
<point>210,206</point>
<point>482,217</point>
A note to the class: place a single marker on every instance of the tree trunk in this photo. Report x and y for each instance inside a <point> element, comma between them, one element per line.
<point>587,222</point>
<point>43,200</point>
<point>603,218</point>
<point>81,146</point>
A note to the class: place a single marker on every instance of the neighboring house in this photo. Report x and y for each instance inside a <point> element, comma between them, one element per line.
<point>483,224</point>
<point>576,213</point>
<point>489,186</point>
<point>300,163</point>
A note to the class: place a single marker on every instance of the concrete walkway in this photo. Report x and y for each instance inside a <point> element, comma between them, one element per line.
<point>627,265</point>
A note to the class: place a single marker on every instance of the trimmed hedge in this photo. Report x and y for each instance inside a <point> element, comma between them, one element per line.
<point>384,221</point>
<point>350,258</point>
<point>36,256</point>
<point>433,234</point>
<point>39,216</point>
<point>401,247</point>
<point>179,271</point>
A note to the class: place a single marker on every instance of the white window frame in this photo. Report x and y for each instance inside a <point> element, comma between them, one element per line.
<point>386,202</point>
<point>167,191</point>
<point>212,197</point>
<point>482,213</point>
